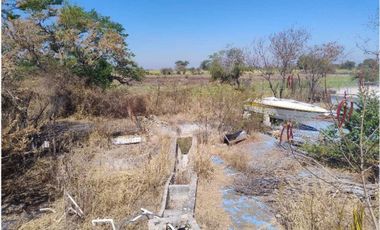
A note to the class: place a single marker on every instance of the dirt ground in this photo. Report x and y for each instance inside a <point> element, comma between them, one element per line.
<point>255,184</point>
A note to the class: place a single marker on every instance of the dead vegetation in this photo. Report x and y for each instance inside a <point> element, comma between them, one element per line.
<point>236,159</point>
<point>318,208</point>
<point>209,211</point>
<point>202,163</point>
<point>102,193</point>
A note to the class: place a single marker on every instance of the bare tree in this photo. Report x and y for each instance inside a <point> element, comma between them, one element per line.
<point>280,55</point>
<point>286,47</point>
<point>316,63</point>
<point>261,60</point>
<point>363,45</point>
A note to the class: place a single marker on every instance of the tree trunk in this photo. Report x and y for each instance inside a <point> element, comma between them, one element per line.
<point>272,88</point>
<point>282,86</point>
<point>325,76</point>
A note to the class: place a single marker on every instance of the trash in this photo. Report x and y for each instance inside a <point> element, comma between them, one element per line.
<point>46,145</point>
<point>47,209</point>
<point>235,137</point>
<point>171,227</point>
<point>125,140</point>
<point>144,212</point>
<point>96,221</point>
<point>78,210</point>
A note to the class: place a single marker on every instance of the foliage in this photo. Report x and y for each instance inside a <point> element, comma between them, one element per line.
<point>368,71</point>
<point>181,66</point>
<point>227,65</point>
<point>167,71</point>
<point>205,64</point>
<point>342,147</point>
<point>348,65</point>
<point>51,34</point>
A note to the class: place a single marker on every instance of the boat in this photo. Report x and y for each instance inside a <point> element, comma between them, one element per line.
<point>286,109</point>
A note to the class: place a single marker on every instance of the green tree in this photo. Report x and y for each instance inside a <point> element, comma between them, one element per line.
<point>227,65</point>
<point>181,66</point>
<point>368,71</point>
<point>348,65</point>
<point>51,34</point>
<point>205,64</point>
<point>166,71</point>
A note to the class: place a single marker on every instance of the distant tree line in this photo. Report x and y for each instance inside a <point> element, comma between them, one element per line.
<point>181,68</point>
<point>281,57</point>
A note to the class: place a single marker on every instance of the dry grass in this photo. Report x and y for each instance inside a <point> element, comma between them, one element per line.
<point>202,163</point>
<point>102,193</point>
<point>48,220</point>
<point>209,211</point>
<point>236,159</point>
<point>316,208</point>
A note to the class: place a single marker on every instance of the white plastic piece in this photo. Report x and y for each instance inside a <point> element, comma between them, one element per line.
<point>46,145</point>
<point>99,221</point>
<point>171,227</point>
<point>125,140</point>
<point>76,205</point>
<point>47,209</point>
<point>146,212</point>
<point>136,218</point>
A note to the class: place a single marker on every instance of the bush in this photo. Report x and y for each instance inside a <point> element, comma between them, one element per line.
<point>167,71</point>
<point>342,147</point>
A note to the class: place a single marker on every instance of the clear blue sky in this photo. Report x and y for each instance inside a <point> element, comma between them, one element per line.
<point>163,31</point>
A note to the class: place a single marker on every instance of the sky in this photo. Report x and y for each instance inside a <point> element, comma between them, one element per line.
<point>164,31</point>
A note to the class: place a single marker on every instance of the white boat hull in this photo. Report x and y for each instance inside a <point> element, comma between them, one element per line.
<point>286,109</point>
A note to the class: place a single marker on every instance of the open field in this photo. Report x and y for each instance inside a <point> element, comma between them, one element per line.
<point>279,133</point>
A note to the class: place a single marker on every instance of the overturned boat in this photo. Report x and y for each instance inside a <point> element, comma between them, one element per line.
<point>286,109</point>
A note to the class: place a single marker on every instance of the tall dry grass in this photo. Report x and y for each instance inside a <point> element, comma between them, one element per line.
<point>202,163</point>
<point>102,193</point>
<point>236,159</point>
<point>316,208</point>
<point>209,211</point>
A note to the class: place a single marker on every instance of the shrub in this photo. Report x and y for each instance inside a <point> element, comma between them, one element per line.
<point>342,148</point>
